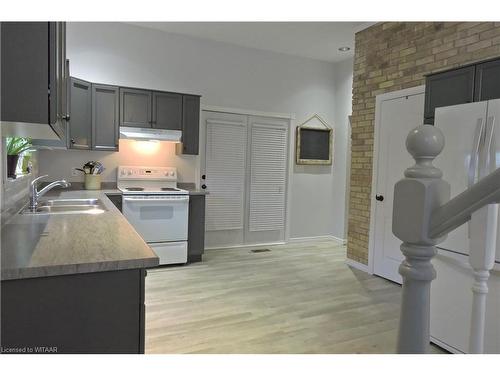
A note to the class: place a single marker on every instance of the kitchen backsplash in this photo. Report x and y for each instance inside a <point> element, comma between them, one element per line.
<point>58,164</point>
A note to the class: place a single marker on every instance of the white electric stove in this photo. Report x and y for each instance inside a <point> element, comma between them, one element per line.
<point>157,209</point>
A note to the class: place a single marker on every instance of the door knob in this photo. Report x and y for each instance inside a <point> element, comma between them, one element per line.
<point>379,197</point>
<point>203,186</point>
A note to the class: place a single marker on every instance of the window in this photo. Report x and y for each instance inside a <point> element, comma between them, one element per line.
<point>18,156</point>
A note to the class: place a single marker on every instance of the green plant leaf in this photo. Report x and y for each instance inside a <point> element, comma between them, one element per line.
<point>17,145</point>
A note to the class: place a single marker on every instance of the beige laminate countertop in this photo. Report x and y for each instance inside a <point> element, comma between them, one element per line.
<point>62,244</point>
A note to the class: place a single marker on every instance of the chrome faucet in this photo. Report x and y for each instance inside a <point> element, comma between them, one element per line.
<point>35,194</point>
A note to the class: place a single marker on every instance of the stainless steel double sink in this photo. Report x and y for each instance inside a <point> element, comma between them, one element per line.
<point>68,206</point>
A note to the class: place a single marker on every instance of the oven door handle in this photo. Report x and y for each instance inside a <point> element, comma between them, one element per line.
<point>162,199</point>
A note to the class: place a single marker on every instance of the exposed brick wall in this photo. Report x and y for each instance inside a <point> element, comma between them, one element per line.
<point>392,56</point>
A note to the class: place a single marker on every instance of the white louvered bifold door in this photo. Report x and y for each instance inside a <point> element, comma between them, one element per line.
<point>225,162</point>
<point>268,175</point>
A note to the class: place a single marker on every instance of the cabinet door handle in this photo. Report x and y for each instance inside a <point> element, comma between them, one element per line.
<point>203,186</point>
<point>380,198</point>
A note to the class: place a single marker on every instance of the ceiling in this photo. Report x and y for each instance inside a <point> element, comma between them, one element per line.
<point>315,40</point>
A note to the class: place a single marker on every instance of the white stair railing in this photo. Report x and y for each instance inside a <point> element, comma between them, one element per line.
<point>482,259</point>
<point>423,215</point>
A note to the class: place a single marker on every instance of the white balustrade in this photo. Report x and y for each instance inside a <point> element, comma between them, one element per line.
<point>423,214</point>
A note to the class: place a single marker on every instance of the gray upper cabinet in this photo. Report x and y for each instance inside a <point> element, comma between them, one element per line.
<point>190,124</point>
<point>487,81</point>
<point>105,117</point>
<point>33,74</point>
<point>475,82</point>
<point>448,88</point>
<point>167,111</point>
<point>80,113</point>
<point>135,108</point>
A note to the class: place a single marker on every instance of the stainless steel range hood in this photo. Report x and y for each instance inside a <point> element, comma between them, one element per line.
<point>150,134</point>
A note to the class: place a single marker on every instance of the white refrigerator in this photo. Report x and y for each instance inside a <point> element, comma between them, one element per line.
<point>472,150</point>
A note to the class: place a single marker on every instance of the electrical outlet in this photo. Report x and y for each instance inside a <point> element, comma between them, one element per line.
<point>75,172</point>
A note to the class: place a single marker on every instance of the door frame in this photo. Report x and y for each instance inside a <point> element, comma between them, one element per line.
<point>379,99</point>
<point>291,149</point>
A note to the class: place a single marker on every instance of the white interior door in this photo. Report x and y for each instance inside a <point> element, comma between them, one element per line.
<point>396,117</point>
<point>267,180</point>
<point>225,165</point>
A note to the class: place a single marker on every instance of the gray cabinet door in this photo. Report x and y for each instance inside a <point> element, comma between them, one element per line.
<point>487,81</point>
<point>105,117</point>
<point>135,108</point>
<point>448,88</point>
<point>190,124</point>
<point>33,79</point>
<point>80,114</point>
<point>196,227</point>
<point>167,110</point>
<point>25,72</point>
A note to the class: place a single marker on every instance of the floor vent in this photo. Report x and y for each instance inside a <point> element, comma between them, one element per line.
<point>260,250</point>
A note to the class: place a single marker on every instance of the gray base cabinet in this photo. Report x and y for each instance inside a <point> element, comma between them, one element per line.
<point>105,117</point>
<point>116,199</point>
<point>196,228</point>
<point>91,313</point>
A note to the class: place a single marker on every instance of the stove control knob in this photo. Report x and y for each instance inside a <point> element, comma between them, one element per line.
<point>172,174</point>
<point>129,173</point>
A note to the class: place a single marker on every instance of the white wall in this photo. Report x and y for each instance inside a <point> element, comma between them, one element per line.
<point>343,73</point>
<point>229,76</point>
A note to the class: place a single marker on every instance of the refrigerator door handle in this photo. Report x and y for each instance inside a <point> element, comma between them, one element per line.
<point>490,150</point>
<point>474,157</point>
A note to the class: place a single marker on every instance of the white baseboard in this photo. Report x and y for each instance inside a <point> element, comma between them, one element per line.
<point>357,265</point>
<point>249,246</point>
<point>342,241</point>
<point>291,240</point>
<point>317,239</point>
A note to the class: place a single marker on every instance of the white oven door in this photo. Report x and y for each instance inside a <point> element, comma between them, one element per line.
<point>158,218</point>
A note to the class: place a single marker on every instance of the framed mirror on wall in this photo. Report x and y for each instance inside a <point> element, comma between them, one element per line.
<point>314,142</point>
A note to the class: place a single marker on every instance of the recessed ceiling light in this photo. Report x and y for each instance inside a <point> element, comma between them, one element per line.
<point>344,49</point>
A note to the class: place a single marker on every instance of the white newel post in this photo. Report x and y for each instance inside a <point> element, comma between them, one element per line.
<point>415,198</point>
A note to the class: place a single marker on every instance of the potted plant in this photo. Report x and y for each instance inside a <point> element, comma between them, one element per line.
<point>15,147</point>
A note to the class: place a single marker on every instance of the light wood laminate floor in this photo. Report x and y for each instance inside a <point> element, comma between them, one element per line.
<point>297,298</point>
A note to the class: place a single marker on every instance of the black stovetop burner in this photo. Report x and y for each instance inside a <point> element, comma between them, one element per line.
<point>135,189</point>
